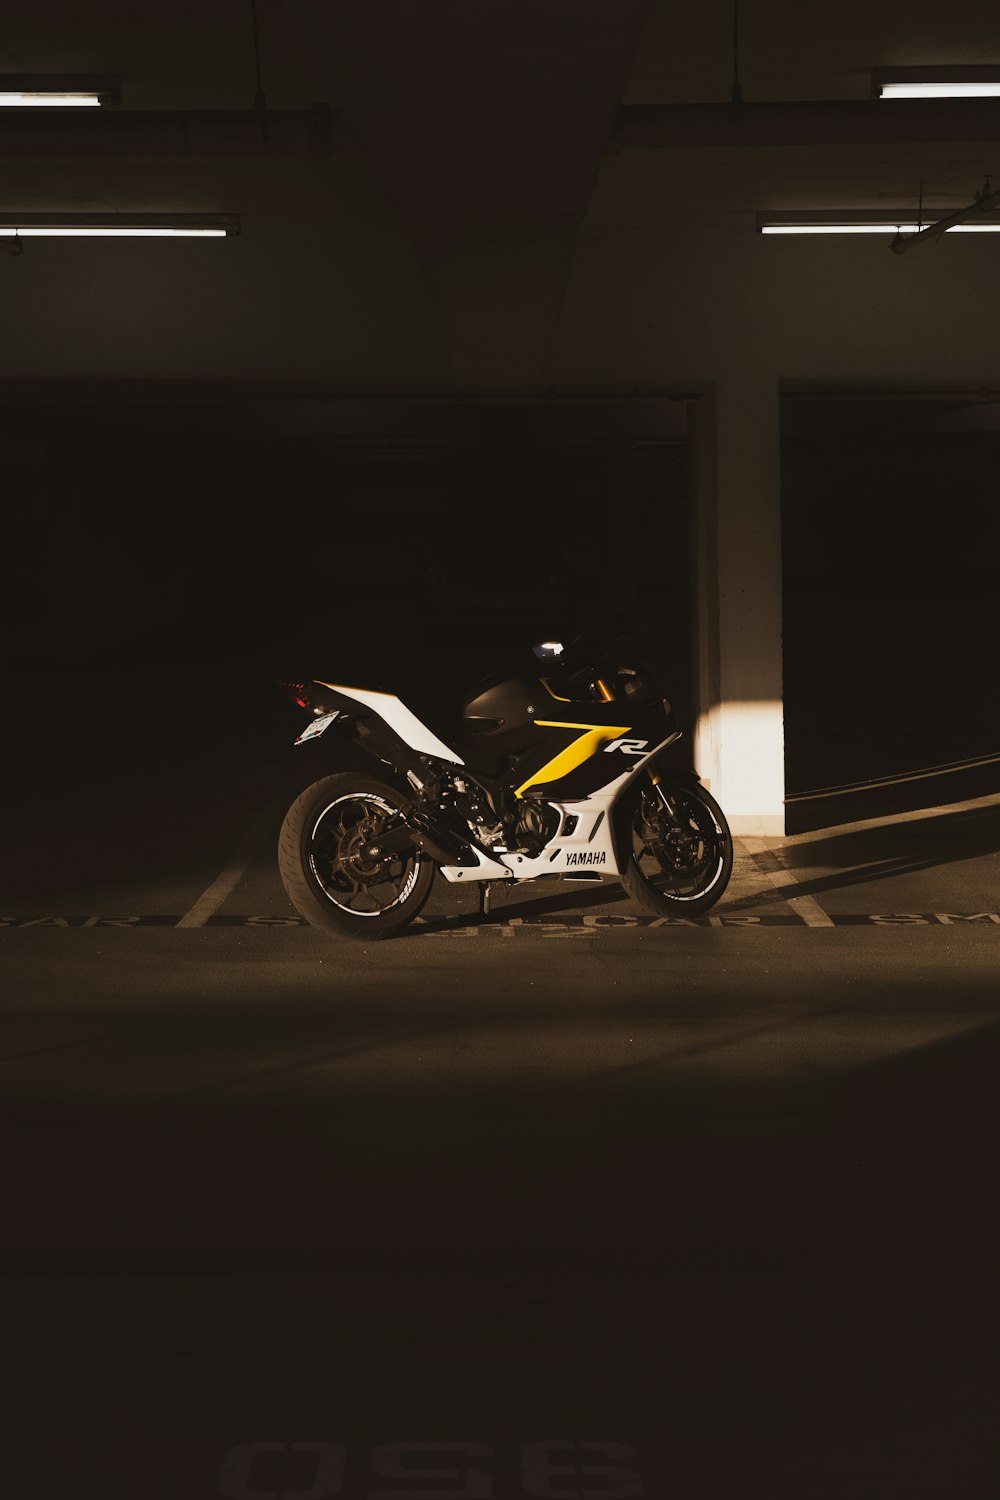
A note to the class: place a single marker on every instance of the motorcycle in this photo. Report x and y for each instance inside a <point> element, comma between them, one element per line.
<point>556,767</point>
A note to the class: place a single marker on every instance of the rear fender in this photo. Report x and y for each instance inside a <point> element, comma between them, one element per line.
<point>359,734</point>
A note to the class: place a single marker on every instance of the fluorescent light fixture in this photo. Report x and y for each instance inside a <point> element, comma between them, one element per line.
<point>59,90</point>
<point>884,228</point>
<point>21,101</point>
<point>940,91</point>
<point>940,82</point>
<point>863,223</point>
<point>111,231</point>
<point>119,226</point>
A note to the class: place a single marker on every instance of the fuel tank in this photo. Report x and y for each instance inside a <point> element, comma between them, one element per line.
<point>500,711</point>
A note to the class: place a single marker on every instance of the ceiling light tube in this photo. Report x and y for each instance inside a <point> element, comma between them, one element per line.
<point>862,223</point>
<point>59,90</point>
<point>807,228</point>
<point>119,226</point>
<point>956,81</point>
<point>894,228</point>
<point>940,91</point>
<point>26,101</point>
<point>64,231</point>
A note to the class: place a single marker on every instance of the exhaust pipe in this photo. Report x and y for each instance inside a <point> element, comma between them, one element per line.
<point>441,844</point>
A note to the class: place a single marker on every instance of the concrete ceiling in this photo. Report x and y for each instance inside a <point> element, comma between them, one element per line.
<point>188,54</point>
<point>481,130</point>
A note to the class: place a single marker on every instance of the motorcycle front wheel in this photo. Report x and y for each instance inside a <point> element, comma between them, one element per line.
<point>329,870</point>
<point>682,850</point>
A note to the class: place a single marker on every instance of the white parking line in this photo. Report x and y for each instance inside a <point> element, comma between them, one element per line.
<point>768,864</point>
<point>228,879</point>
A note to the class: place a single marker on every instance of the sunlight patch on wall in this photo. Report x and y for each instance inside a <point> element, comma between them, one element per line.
<point>740,754</point>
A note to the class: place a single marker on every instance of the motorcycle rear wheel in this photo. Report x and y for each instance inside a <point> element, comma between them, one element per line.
<point>328,871</point>
<point>680,864</point>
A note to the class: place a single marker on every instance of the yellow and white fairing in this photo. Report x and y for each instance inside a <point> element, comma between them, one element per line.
<point>589,849</point>
<point>592,738</point>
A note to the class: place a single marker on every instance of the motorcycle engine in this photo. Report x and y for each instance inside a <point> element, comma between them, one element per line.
<point>473,805</point>
<point>537,822</point>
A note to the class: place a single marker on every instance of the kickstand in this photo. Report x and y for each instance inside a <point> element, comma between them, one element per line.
<point>485,898</point>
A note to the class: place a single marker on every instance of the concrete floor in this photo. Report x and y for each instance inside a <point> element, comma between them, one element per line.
<point>590,1206</point>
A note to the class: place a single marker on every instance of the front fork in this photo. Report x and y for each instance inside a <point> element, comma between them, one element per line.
<point>657,781</point>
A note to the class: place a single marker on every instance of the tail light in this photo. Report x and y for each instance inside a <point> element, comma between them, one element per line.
<point>298,692</point>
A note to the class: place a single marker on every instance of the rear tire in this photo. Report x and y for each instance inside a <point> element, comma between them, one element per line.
<point>327,873</point>
<point>678,867</point>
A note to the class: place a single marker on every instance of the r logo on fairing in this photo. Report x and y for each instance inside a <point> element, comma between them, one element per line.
<point>630,747</point>
<point>587,857</point>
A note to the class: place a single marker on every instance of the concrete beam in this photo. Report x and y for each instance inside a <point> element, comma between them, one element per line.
<point>317,131</point>
<point>812,122</point>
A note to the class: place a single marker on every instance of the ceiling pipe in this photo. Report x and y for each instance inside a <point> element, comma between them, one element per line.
<point>812,122</point>
<point>981,204</point>
<point>317,131</point>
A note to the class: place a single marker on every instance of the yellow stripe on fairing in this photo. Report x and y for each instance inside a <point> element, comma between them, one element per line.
<point>581,749</point>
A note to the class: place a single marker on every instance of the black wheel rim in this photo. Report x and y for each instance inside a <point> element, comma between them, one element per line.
<point>351,878</point>
<point>679,853</point>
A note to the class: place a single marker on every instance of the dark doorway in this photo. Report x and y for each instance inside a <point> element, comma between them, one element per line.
<point>202,545</point>
<point>890,541</point>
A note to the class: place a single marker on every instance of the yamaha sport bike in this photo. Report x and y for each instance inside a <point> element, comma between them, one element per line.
<point>560,767</point>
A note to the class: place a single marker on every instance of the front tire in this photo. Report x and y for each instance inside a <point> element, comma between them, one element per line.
<point>682,851</point>
<point>326,867</point>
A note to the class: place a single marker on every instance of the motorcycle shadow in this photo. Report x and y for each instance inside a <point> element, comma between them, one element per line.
<point>564,900</point>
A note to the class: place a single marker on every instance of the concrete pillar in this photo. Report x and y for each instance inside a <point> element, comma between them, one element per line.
<point>739,725</point>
